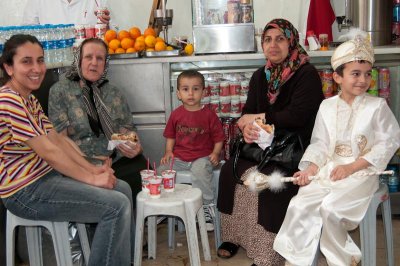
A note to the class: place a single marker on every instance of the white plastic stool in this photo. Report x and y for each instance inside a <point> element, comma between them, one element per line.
<point>186,177</point>
<point>60,236</point>
<point>368,229</point>
<point>186,203</point>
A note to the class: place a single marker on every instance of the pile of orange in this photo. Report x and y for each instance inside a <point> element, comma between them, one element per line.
<point>132,40</point>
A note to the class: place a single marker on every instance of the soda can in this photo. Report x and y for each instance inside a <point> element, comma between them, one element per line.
<point>396,32</point>
<point>100,11</point>
<point>89,31</point>
<point>214,90</point>
<point>244,87</point>
<point>224,89</point>
<point>374,80</point>
<point>327,83</point>
<point>234,88</point>
<point>384,78</point>
<point>206,90</point>
<point>235,108</point>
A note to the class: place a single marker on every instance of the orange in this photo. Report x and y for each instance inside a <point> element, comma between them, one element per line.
<point>169,48</point>
<point>127,43</point>
<point>150,41</point>
<point>189,49</point>
<point>140,45</point>
<point>149,31</point>
<point>114,44</point>
<point>134,32</point>
<point>140,38</point>
<point>160,46</point>
<point>159,39</point>
<point>120,51</point>
<point>109,35</point>
<point>110,51</point>
<point>150,50</point>
<point>123,34</point>
<point>131,50</point>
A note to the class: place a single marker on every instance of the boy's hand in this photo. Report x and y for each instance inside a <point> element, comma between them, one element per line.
<point>167,156</point>
<point>302,178</point>
<point>214,158</point>
<point>341,172</point>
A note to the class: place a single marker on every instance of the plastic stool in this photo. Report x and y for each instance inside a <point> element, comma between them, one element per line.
<point>186,203</point>
<point>368,229</point>
<point>186,177</point>
<point>60,236</point>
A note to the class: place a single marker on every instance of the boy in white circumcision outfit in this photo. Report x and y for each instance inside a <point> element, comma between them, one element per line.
<point>353,131</point>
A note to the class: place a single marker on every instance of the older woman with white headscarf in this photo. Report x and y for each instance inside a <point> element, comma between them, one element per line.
<point>353,131</point>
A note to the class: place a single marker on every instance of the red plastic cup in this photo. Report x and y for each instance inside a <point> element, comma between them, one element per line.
<point>169,180</point>
<point>155,187</point>
<point>146,175</point>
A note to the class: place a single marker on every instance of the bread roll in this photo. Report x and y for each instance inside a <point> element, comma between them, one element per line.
<point>266,127</point>
<point>131,136</point>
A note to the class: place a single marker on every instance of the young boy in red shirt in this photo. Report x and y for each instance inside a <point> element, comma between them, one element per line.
<point>194,138</point>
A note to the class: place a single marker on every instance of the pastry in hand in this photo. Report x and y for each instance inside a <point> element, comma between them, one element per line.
<point>131,136</point>
<point>269,128</point>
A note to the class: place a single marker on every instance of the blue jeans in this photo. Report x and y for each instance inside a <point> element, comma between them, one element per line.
<point>55,197</point>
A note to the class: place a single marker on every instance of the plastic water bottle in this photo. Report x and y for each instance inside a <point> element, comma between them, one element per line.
<point>393,180</point>
<point>70,40</point>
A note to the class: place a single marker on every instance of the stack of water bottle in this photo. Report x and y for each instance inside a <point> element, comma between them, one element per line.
<point>57,41</point>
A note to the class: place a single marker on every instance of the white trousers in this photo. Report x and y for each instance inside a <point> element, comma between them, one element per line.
<point>323,212</point>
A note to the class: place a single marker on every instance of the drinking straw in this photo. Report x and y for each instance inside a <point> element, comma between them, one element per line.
<point>155,170</point>
<point>171,163</point>
<point>148,164</point>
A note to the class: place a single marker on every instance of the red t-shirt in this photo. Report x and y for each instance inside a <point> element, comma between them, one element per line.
<point>195,133</point>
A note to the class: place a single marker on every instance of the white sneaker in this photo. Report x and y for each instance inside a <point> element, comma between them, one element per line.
<point>209,216</point>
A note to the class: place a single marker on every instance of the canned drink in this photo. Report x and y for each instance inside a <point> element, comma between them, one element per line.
<point>234,88</point>
<point>384,77</point>
<point>246,13</point>
<point>244,87</point>
<point>89,31</point>
<point>100,11</point>
<point>225,104</point>
<point>100,30</point>
<point>233,14</point>
<point>373,87</point>
<point>327,83</point>
<point>235,108</point>
<point>206,92</point>
<point>226,128</point>
<point>214,106</point>
<point>214,90</point>
<point>79,32</point>
<point>224,89</point>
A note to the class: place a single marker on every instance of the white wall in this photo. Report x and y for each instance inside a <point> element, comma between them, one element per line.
<point>128,13</point>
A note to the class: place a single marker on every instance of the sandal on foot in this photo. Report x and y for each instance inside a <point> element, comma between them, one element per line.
<point>228,247</point>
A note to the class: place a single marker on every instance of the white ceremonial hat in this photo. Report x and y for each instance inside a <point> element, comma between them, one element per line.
<point>358,49</point>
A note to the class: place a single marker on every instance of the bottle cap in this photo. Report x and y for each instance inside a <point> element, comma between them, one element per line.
<point>310,33</point>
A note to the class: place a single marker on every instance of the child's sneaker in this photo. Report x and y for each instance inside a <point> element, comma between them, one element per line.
<point>209,214</point>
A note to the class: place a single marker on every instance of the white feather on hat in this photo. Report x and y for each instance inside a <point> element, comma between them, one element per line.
<point>358,47</point>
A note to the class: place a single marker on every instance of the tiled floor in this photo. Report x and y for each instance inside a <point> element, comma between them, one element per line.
<point>180,257</point>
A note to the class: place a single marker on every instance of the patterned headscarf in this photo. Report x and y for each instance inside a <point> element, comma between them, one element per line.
<point>278,74</point>
<point>97,111</point>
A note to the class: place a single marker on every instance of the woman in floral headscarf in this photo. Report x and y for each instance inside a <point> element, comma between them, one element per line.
<point>286,92</point>
<point>87,109</point>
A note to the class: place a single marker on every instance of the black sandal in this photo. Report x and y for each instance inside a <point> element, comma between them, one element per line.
<point>228,247</point>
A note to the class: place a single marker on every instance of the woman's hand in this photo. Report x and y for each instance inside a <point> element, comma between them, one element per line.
<point>250,133</point>
<point>248,119</point>
<point>129,149</point>
<point>167,157</point>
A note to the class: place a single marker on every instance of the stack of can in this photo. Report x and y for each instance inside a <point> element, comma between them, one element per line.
<point>231,131</point>
<point>396,22</point>
<point>384,83</point>
<point>100,28</point>
<point>226,98</point>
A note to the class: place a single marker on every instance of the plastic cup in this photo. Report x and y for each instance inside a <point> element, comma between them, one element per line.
<point>169,180</point>
<point>155,187</point>
<point>146,175</point>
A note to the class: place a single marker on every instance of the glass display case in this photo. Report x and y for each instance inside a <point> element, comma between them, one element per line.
<point>223,26</point>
